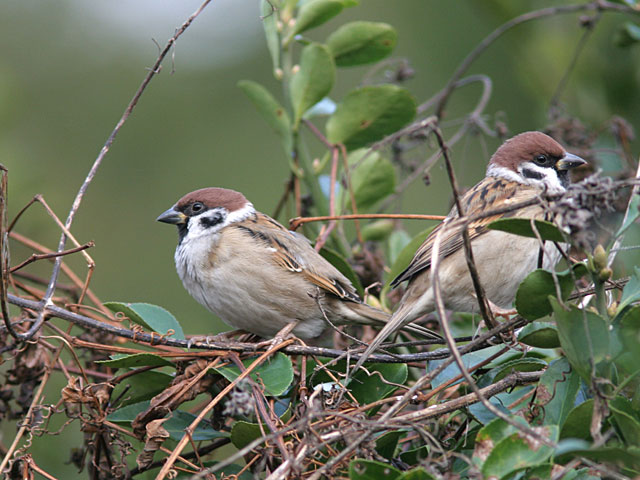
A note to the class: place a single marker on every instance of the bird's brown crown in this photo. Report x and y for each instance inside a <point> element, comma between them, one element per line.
<point>525,147</point>
<point>214,197</point>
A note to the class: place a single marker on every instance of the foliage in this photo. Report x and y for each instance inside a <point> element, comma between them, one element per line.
<point>567,387</point>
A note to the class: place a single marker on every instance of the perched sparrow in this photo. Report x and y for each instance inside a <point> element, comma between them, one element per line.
<point>521,168</point>
<point>255,274</point>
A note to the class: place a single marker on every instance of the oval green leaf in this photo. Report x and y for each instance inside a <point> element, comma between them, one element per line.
<point>361,43</point>
<point>313,81</point>
<point>540,335</point>
<point>371,470</point>
<point>584,336</point>
<point>153,317</point>
<point>517,452</point>
<point>316,12</point>
<point>369,113</point>
<point>522,227</point>
<point>135,360</point>
<point>368,389</point>
<point>578,422</point>
<point>532,297</point>
<point>372,179</point>
<point>378,230</point>
<point>276,373</point>
<point>269,15</point>
<point>274,113</point>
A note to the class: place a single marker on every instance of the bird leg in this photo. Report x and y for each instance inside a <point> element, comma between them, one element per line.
<point>279,337</point>
<point>501,312</point>
<point>223,337</point>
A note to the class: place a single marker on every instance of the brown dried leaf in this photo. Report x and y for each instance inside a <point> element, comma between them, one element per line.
<point>154,438</point>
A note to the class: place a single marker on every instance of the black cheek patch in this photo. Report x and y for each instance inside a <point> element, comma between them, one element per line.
<point>532,174</point>
<point>211,220</point>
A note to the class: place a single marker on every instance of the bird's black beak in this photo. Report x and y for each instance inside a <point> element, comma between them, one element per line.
<point>172,216</point>
<point>569,161</point>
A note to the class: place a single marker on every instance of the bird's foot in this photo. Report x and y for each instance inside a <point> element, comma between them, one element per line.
<point>501,312</point>
<point>223,337</point>
<point>278,338</point>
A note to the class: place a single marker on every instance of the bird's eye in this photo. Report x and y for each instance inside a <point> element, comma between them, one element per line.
<point>197,207</point>
<point>542,159</point>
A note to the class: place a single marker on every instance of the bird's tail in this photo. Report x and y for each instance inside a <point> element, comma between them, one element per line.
<point>394,323</point>
<point>368,315</point>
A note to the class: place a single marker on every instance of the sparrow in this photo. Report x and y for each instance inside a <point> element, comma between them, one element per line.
<point>258,276</point>
<point>523,167</point>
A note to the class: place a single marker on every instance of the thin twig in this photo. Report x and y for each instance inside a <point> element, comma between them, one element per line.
<point>498,32</point>
<point>483,302</point>
<point>295,223</point>
<point>46,301</point>
<point>185,438</point>
<point>35,257</point>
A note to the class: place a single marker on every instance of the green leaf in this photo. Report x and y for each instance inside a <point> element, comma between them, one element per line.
<point>229,472</point>
<point>378,231</point>
<point>557,391</point>
<point>386,444</point>
<point>468,359</point>
<point>135,360</point>
<point>269,16</point>
<point>414,455</point>
<point>616,456</point>
<point>128,413</point>
<point>490,435</point>
<point>522,227</point>
<point>584,336</point>
<point>368,389</point>
<point>372,179</point>
<point>416,474</point>
<point>400,261</point>
<point>180,420</point>
<point>532,297</point>
<point>142,386</point>
<point>316,12</point>
<point>343,266</point>
<point>243,433</point>
<point>369,113</point>
<point>274,113</point>
<point>152,317</point>
<point>370,470</point>
<point>361,43</point>
<point>629,34</point>
<point>628,331</point>
<point>627,420</point>
<point>540,335</point>
<point>276,373</point>
<point>631,292</point>
<point>517,452</point>
<point>313,81</point>
<point>578,422</point>
<point>634,213</point>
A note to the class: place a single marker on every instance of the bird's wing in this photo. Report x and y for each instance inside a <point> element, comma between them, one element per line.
<point>490,194</point>
<point>295,254</point>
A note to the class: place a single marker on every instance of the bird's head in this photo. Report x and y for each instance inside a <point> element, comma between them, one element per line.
<point>207,211</point>
<point>533,158</point>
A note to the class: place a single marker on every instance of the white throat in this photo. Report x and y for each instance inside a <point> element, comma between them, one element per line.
<point>529,173</point>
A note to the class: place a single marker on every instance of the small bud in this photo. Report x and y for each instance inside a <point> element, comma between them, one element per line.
<point>278,73</point>
<point>605,274</point>
<point>291,23</point>
<point>295,69</point>
<point>599,257</point>
<point>279,26</point>
<point>611,309</point>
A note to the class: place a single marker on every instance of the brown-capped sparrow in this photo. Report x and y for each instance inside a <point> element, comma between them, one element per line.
<point>258,276</point>
<point>520,169</point>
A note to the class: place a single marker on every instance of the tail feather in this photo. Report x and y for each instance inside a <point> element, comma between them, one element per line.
<point>396,322</point>
<point>368,315</point>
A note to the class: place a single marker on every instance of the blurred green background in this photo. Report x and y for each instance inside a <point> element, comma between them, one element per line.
<point>68,69</point>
